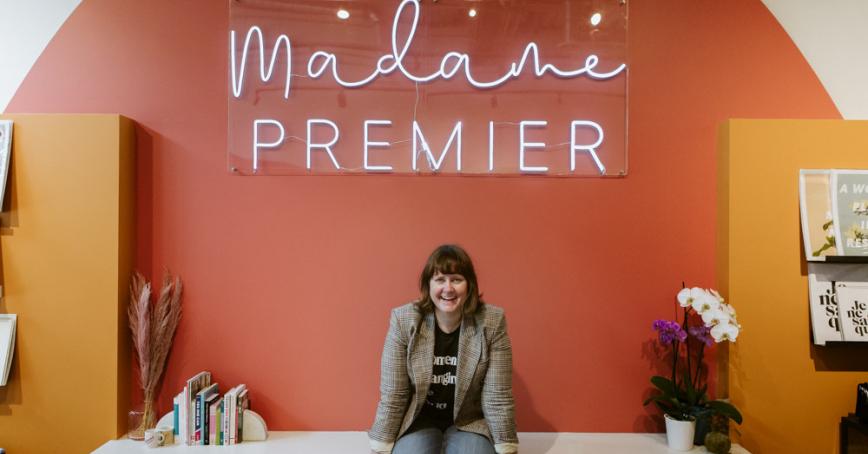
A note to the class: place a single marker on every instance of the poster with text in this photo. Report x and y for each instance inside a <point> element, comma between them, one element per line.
<point>853,310</point>
<point>850,211</point>
<point>824,304</point>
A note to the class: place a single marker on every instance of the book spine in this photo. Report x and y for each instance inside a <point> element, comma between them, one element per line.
<point>225,435</point>
<point>220,422</point>
<point>240,419</point>
<point>175,408</point>
<point>233,422</point>
<point>191,418</point>
<point>205,428</point>
<point>188,417</point>
<point>230,410</point>
<point>182,415</point>
<point>239,416</point>
<point>212,424</point>
<point>198,422</point>
<point>188,406</point>
<point>238,411</point>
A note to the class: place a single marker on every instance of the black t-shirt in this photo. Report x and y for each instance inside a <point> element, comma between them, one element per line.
<point>439,402</point>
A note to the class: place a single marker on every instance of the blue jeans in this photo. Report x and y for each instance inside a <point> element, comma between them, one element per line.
<point>431,440</point>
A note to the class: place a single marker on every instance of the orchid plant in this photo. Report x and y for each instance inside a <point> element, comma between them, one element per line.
<point>707,319</point>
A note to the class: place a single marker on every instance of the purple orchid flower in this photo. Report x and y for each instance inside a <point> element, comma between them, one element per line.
<point>669,331</point>
<point>702,334</point>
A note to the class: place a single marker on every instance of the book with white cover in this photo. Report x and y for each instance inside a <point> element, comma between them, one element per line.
<point>7,345</point>
<point>853,310</point>
<point>822,277</point>
<point>825,325</point>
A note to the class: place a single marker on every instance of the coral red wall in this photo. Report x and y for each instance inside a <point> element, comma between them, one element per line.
<point>289,279</point>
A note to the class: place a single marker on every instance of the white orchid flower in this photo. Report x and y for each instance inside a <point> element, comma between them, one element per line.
<point>716,295</point>
<point>724,332</point>
<point>715,316</point>
<point>705,302</point>
<point>687,296</point>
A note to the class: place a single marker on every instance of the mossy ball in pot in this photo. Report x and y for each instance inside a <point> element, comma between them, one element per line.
<point>717,442</point>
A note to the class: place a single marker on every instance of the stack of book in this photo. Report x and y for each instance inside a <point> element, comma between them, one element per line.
<point>204,417</point>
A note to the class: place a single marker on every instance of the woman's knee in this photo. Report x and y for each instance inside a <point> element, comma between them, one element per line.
<point>423,441</point>
<point>458,442</point>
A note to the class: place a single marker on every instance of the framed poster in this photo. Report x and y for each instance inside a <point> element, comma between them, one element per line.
<point>5,152</point>
<point>7,345</point>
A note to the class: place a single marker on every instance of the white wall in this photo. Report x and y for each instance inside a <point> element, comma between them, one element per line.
<point>26,27</point>
<point>833,37</point>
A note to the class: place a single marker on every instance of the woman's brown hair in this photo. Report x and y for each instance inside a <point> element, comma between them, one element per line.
<point>449,259</point>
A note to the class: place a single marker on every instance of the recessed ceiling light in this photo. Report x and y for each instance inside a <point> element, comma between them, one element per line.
<point>472,12</point>
<point>596,18</point>
<point>343,14</point>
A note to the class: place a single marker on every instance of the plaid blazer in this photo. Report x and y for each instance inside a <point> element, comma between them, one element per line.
<point>483,393</point>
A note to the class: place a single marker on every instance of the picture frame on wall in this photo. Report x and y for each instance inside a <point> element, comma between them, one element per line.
<point>5,153</point>
<point>7,345</point>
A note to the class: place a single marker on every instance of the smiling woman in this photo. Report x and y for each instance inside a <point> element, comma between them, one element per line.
<point>446,372</point>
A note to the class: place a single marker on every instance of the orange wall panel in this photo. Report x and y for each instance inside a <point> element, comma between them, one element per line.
<point>791,393</point>
<point>66,255</point>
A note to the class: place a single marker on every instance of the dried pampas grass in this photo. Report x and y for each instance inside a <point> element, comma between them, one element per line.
<point>153,328</point>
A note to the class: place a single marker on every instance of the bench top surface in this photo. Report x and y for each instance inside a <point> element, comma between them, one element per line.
<point>357,442</point>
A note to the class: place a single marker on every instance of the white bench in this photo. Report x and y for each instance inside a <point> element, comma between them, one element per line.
<point>357,442</point>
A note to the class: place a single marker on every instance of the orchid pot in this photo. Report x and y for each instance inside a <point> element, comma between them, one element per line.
<point>679,434</point>
<point>703,423</point>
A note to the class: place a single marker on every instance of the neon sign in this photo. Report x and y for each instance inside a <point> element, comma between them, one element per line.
<point>323,139</point>
<point>321,61</point>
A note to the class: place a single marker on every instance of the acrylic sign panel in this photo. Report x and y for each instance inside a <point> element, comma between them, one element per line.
<point>421,87</point>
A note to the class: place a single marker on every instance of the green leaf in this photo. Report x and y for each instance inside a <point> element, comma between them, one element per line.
<point>664,384</point>
<point>725,409</point>
<point>690,391</point>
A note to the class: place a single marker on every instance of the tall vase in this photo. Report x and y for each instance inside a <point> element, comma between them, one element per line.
<point>143,419</point>
<point>679,434</point>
